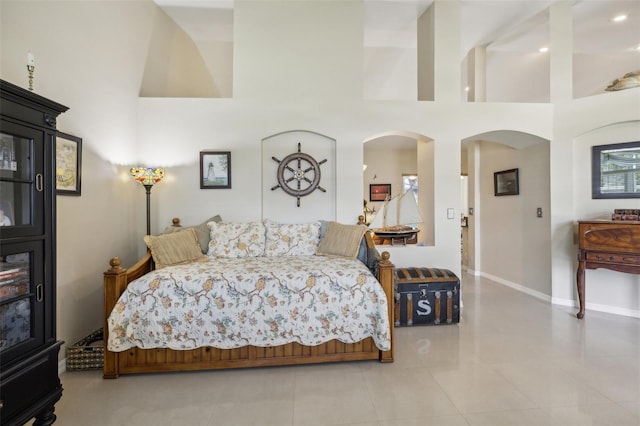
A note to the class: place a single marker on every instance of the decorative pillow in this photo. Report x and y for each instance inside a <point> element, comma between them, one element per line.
<point>202,231</point>
<point>342,240</point>
<point>283,239</point>
<point>174,249</point>
<point>234,240</point>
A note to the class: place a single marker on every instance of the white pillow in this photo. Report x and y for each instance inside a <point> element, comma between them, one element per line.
<point>291,239</point>
<point>234,240</point>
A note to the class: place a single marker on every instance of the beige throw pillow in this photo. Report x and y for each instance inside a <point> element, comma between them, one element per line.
<point>176,248</point>
<point>341,240</point>
<point>202,231</point>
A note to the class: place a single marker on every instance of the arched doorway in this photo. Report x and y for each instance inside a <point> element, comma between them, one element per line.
<point>507,240</point>
<point>398,159</point>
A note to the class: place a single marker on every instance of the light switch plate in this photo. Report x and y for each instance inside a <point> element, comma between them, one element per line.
<point>449,213</point>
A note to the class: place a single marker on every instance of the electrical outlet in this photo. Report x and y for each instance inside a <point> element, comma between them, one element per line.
<point>449,213</point>
<point>470,211</point>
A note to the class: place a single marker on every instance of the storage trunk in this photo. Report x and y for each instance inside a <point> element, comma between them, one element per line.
<point>426,296</point>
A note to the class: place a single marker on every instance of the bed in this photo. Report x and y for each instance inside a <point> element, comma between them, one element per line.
<point>283,307</point>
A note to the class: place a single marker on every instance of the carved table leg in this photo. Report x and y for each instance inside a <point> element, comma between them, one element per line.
<point>580,283</point>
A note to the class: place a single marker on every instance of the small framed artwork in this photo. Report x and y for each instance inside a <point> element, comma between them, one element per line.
<point>68,164</point>
<point>379,191</point>
<point>506,182</point>
<point>215,169</point>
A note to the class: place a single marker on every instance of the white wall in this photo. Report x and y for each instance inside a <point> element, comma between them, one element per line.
<point>321,202</point>
<point>573,119</point>
<point>81,62</point>
<point>282,47</point>
<point>605,290</point>
<point>514,240</point>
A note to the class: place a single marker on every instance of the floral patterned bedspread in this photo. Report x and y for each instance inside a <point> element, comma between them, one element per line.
<point>259,301</point>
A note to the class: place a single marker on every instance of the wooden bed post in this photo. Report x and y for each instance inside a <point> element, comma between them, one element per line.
<point>115,280</point>
<point>386,277</point>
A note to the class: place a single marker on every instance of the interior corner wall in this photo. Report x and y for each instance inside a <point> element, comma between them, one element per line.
<point>446,54</point>
<point>218,57</point>
<point>501,222</point>
<point>473,223</point>
<point>174,66</point>
<point>426,190</point>
<point>535,190</point>
<point>426,54</point>
<point>476,71</point>
<point>390,73</point>
<point>298,50</point>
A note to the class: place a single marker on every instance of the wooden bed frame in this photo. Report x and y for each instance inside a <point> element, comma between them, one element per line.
<point>137,360</point>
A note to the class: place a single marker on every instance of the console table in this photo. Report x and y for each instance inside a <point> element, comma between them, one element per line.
<point>607,244</point>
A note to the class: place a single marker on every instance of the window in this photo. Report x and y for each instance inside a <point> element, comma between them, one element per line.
<point>410,182</point>
<point>615,170</point>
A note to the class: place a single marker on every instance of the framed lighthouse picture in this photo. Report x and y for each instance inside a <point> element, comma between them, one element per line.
<point>215,169</point>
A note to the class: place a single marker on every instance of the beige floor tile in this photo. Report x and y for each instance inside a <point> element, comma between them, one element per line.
<point>603,414</point>
<point>512,360</point>
<point>332,398</point>
<point>407,394</point>
<point>548,385</point>
<point>455,420</point>
<point>530,417</point>
<point>476,387</point>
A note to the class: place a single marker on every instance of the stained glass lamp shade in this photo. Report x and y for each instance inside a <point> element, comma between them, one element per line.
<point>147,176</point>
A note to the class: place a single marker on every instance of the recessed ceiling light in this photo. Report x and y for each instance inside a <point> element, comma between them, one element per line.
<point>466,89</point>
<point>543,49</point>
<point>620,18</point>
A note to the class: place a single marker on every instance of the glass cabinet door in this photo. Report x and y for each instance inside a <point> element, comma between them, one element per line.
<point>21,298</point>
<point>22,183</point>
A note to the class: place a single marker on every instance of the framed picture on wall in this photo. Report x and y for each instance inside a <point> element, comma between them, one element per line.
<point>379,191</point>
<point>215,169</point>
<point>68,164</point>
<point>506,182</point>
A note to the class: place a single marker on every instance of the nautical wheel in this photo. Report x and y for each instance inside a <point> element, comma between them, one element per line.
<point>298,174</point>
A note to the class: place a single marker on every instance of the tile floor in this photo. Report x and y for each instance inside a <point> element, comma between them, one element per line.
<point>512,360</point>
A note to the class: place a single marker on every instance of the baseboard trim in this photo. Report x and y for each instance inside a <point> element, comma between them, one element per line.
<point>634,313</point>
<point>62,366</point>
<point>516,286</point>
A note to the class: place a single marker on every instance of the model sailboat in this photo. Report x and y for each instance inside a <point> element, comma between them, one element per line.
<point>394,220</point>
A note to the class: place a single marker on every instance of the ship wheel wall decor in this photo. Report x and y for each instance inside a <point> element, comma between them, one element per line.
<point>298,174</point>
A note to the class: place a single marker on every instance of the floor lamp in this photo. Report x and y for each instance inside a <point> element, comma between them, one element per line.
<point>147,176</point>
